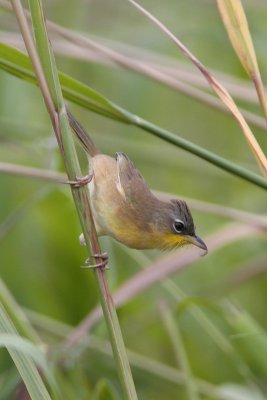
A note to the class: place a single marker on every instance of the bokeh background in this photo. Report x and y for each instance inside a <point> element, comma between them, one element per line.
<point>39,248</point>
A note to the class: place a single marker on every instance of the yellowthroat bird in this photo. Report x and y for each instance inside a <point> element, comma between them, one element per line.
<point>124,207</point>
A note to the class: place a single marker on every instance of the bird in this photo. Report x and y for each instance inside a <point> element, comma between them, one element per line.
<point>124,207</point>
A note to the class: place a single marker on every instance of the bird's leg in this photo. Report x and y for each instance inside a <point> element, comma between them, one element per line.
<point>103,261</point>
<point>102,258</point>
<point>81,181</point>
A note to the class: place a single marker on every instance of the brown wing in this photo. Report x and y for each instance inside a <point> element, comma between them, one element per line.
<point>130,184</point>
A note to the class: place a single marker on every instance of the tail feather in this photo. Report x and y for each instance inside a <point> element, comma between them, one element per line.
<point>83,137</point>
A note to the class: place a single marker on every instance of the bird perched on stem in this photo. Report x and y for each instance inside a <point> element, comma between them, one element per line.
<point>124,207</point>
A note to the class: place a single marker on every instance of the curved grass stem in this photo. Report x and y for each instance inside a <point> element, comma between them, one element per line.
<point>47,77</point>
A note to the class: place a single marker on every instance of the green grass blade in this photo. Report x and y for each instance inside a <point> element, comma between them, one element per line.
<point>22,345</point>
<point>221,92</point>
<point>46,73</point>
<point>249,338</point>
<point>18,317</point>
<point>18,64</point>
<point>141,362</point>
<point>104,391</point>
<point>9,381</point>
<point>26,367</point>
<point>207,155</point>
<point>179,351</point>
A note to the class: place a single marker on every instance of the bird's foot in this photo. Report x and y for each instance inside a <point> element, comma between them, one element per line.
<point>101,261</point>
<point>79,182</point>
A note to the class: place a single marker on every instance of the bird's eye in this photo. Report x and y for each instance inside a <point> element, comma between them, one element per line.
<point>178,225</point>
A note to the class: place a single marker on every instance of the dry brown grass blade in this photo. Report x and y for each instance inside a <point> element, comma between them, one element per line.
<point>161,269</point>
<point>216,86</point>
<point>177,77</point>
<point>235,22</point>
<point>182,71</point>
<point>253,219</point>
<point>248,218</point>
<point>46,73</point>
<point>30,172</point>
<point>257,220</point>
<point>153,71</point>
<point>247,272</point>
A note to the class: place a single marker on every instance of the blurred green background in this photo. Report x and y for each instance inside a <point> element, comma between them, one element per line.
<point>40,251</point>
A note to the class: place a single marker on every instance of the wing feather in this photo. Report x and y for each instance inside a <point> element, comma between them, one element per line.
<point>130,183</point>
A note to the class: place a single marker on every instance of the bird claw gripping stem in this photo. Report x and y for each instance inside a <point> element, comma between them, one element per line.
<point>102,262</point>
<point>79,182</point>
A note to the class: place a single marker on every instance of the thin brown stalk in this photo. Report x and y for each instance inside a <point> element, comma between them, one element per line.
<point>174,67</point>
<point>30,172</point>
<point>253,219</point>
<point>253,269</point>
<point>46,71</point>
<point>246,273</point>
<point>171,78</point>
<point>261,93</point>
<point>256,220</point>
<point>161,269</point>
<point>29,44</point>
<point>216,86</point>
<point>149,70</point>
<point>16,215</point>
<point>236,24</point>
<point>179,70</point>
